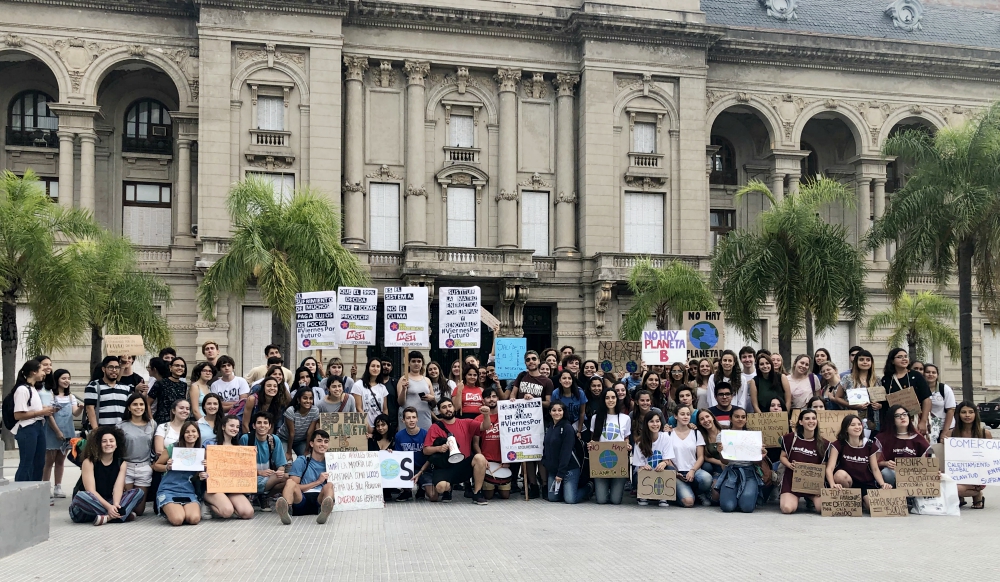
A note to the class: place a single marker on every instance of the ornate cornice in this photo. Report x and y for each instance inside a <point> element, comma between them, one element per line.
<point>416,72</point>
<point>354,67</point>
<point>505,195</point>
<point>159,7</point>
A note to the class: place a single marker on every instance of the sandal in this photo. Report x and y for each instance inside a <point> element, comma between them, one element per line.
<point>979,504</point>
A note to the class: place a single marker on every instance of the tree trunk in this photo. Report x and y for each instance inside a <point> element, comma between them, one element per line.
<point>785,343</point>
<point>280,338</point>
<point>965,250</point>
<point>96,348</point>
<point>8,350</point>
<point>809,334</point>
<point>913,347</point>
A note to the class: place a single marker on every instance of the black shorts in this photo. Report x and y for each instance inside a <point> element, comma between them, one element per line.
<point>309,504</point>
<point>454,473</point>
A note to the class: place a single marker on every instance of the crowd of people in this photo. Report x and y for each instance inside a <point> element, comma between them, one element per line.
<point>669,417</point>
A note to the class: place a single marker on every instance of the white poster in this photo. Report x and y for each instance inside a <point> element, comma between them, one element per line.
<point>187,459</point>
<point>357,482</point>
<point>972,461</point>
<point>742,445</point>
<point>458,317</point>
<point>396,469</point>
<point>357,311</point>
<point>521,430</point>
<point>406,317</point>
<point>316,320</point>
<point>664,347</point>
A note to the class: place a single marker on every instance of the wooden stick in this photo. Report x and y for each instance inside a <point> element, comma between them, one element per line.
<point>460,357</point>
<point>355,358</point>
<point>524,479</point>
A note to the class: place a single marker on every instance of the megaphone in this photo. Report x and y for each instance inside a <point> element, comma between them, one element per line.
<point>454,453</point>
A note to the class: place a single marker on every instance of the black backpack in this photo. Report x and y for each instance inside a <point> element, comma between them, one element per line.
<point>8,408</point>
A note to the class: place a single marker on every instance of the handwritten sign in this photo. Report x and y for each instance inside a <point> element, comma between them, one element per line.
<point>807,478</point>
<point>887,503</point>
<point>772,426</point>
<point>489,320</point>
<point>510,356</point>
<point>609,460</point>
<point>907,399</point>
<point>406,317</point>
<point>793,419</point>
<point>706,333</point>
<point>918,476</point>
<point>840,502</point>
<point>124,345</point>
<point>664,347</point>
<point>619,358</point>
<point>357,313</point>
<point>856,396</point>
<point>521,430</point>
<point>356,479</point>
<point>348,430</point>
<point>231,469</point>
<point>396,469</point>
<point>829,422</point>
<point>876,393</point>
<point>187,459</point>
<point>741,445</point>
<point>656,485</point>
<point>316,320</point>
<point>459,318</point>
<point>972,461</point>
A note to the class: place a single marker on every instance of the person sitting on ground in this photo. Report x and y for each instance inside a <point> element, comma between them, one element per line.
<point>653,449</point>
<point>100,495</point>
<point>138,429</point>
<point>447,474</point>
<point>853,460</point>
<point>803,445</point>
<point>308,490</point>
<point>176,498</point>
<point>271,458</point>
<point>227,505</point>
<point>968,425</point>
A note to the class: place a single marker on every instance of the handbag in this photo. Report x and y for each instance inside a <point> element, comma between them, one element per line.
<point>944,504</point>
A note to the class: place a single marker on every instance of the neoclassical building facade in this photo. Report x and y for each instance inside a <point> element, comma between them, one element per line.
<point>534,148</point>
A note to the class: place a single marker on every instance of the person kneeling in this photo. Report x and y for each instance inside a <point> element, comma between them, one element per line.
<point>227,505</point>
<point>436,448</point>
<point>176,498</point>
<point>271,459</point>
<point>101,495</point>
<point>308,490</point>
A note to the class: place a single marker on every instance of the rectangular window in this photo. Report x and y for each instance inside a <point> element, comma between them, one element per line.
<point>383,206</point>
<point>256,335</point>
<point>284,184</point>
<point>461,131</point>
<point>461,217</point>
<point>735,340</point>
<point>146,217</point>
<point>721,222</point>
<point>643,232</point>
<point>837,341</point>
<point>644,138</point>
<point>535,222</point>
<point>991,355</point>
<point>51,187</point>
<point>270,113</point>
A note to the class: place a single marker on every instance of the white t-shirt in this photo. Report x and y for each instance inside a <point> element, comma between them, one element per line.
<point>21,398</point>
<point>617,427</point>
<point>740,394</point>
<point>663,450</point>
<point>169,434</point>
<point>372,399</point>
<point>232,390</point>
<point>686,450</point>
<point>941,403</point>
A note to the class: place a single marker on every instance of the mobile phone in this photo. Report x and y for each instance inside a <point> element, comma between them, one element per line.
<point>422,394</point>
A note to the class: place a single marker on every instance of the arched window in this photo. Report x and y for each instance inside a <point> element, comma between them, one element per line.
<point>147,128</point>
<point>723,163</point>
<point>809,165</point>
<point>30,122</point>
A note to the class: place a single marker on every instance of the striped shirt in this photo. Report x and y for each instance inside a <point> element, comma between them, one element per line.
<point>112,400</point>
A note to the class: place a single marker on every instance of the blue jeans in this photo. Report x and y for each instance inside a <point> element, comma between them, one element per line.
<point>568,492</point>
<point>745,502</point>
<point>701,484</point>
<point>610,490</point>
<point>31,445</point>
<point>889,476</point>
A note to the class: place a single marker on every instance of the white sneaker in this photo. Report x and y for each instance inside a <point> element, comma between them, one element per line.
<point>664,503</point>
<point>58,492</point>
<point>643,502</point>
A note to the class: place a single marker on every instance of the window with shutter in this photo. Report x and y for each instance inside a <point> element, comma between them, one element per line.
<point>146,214</point>
<point>644,138</point>
<point>535,221</point>
<point>991,355</point>
<point>270,113</point>
<point>461,217</point>
<point>284,184</point>
<point>643,228</point>
<point>461,131</point>
<point>384,216</point>
<point>256,335</point>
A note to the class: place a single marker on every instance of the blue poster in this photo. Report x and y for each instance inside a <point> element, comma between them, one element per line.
<point>510,356</point>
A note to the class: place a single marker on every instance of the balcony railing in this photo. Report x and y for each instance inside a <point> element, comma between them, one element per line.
<point>148,145</point>
<point>480,263</point>
<point>270,138</point>
<point>32,137</point>
<point>637,160</point>
<point>461,155</point>
<point>616,266</point>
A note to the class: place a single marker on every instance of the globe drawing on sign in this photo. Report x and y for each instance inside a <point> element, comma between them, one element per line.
<point>704,336</point>
<point>608,459</point>
<point>607,366</point>
<point>658,486</point>
<point>611,432</point>
<point>389,469</point>
<point>654,459</point>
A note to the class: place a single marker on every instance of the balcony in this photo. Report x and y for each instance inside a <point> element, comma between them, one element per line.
<point>461,155</point>
<point>477,263</point>
<point>616,266</point>
<point>267,138</point>
<point>161,145</point>
<point>646,161</point>
<point>646,171</point>
<point>270,149</point>
<point>32,137</point>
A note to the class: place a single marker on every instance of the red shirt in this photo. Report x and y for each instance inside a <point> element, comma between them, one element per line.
<point>463,429</point>
<point>894,446</point>
<point>472,399</point>
<point>489,441</point>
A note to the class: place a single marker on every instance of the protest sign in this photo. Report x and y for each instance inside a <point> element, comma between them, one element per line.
<point>876,393</point>
<point>509,357</point>
<point>972,461</point>
<point>664,347</point>
<point>396,469</point>
<point>124,345</point>
<point>656,485</point>
<point>793,419</point>
<point>406,317</point>
<point>706,333</point>
<point>887,503</point>
<point>772,426</point>
<point>348,430</point>
<point>231,469</point>
<point>459,317</point>
<point>356,479</point>
<point>918,476</point>
<point>357,312</point>
<point>840,502</point>
<point>316,320</point>
<point>489,320</point>
<point>808,478</point>
<point>741,445</point>
<point>829,422</point>
<point>619,358</point>
<point>857,396</point>
<point>609,460</point>
<point>521,430</point>
<point>906,398</point>
<point>187,459</point>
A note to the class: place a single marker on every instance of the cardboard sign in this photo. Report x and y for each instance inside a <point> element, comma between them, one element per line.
<point>918,476</point>
<point>741,445</point>
<point>771,425</point>
<point>829,422</point>
<point>609,460</point>
<point>357,313</point>
<point>808,478</point>
<point>124,345</point>
<point>793,419</point>
<point>887,503</point>
<point>876,393</point>
<point>840,502</point>
<point>706,333</point>
<point>656,485</point>
<point>664,346</point>
<point>348,430</point>
<point>619,358</point>
<point>396,469</point>
<point>907,399</point>
<point>489,320</point>
<point>231,469</point>
<point>509,357</point>
<point>972,461</point>
<point>407,322</point>
<point>356,479</point>
<point>856,396</point>
<point>521,430</point>
<point>459,317</point>
<point>188,459</point>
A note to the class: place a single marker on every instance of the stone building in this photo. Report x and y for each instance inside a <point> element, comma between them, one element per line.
<point>535,148</point>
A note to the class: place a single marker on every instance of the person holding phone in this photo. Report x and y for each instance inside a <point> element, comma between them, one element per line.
<point>415,390</point>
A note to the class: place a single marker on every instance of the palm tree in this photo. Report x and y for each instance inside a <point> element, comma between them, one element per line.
<point>917,319</point>
<point>284,246</point>
<point>947,217</point>
<point>671,289</point>
<point>809,267</point>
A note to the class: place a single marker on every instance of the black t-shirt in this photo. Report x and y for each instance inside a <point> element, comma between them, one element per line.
<point>105,478</point>
<point>910,380</point>
<point>132,380</point>
<point>538,386</point>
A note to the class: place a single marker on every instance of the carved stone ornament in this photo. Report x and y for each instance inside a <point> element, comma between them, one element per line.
<point>567,198</point>
<point>12,40</point>
<point>384,77</point>
<point>355,67</point>
<point>136,50</point>
<point>508,79</point>
<point>564,83</point>
<point>535,181</point>
<point>355,187</point>
<point>906,14</point>
<point>602,299</point>
<point>780,9</point>
<point>416,72</point>
<point>414,191</point>
<point>271,54</point>
<point>505,195</point>
<point>461,179</point>
<point>384,173</point>
<point>269,162</point>
<point>645,182</point>
<point>534,87</point>
<point>462,78</point>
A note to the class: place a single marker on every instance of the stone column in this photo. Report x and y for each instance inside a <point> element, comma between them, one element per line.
<point>507,195</point>
<point>88,194</point>
<point>565,167</point>
<point>793,183</point>
<point>354,162</point>
<point>880,255</point>
<point>416,193</point>
<point>864,206</point>
<point>66,165</point>
<point>778,185</point>
<point>182,210</point>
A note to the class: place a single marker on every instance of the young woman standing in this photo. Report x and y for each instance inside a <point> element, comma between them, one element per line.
<point>101,495</point>
<point>862,376</point>
<point>968,425</point>
<point>728,372</point>
<point>227,505</point>
<point>643,404</point>
<point>30,415</point>
<point>573,401</point>
<point>335,399</point>
<point>829,386</point>
<point>942,405</point>
<point>740,486</point>
<point>767,385</point>
<point>820,357</point>
<point>202,377</point>
<point>653,449</point>
<point>59,428</point>
<point>853,461</point>
<point>442,385</point>
<point>301,419</point>
<point>700,382</point>
<point>469,395</point>
<point>778,362</point>
<point>176,499</point>
<point>560,459</point>
<point>898,440</point>
<point>609,424</point>
<point>896,377</point>
<point>373,393</point>
<point>415,390</point>
<point>138,429</point>
<point>271,398</point>
<point>168,390</point>
<point>689,455</point>
<point>801,382</point>
<point>802,446</point>
<point>168,433</point>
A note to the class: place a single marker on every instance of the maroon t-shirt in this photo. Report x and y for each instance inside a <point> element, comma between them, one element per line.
<point>537,386</point>
<point>894,446</point>
<point>798,450</point>
<point>489,441</point>
<point>463,429</point>
<point>855,461</point>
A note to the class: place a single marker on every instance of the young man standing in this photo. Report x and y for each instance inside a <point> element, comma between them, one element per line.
<point>271,351</point>
<point>308,490</point>
<point>447,474</point>
<point>411,439</point>
<point>211,352</point>
<point>105,397</point>
<point>749,370</point>
<point>724,409</point>
<point>271,458</point>
<point>230,387</point>
<point>488,445</point>
<point>532,384</point>
<point>572,363</point>
<point>130,377</point>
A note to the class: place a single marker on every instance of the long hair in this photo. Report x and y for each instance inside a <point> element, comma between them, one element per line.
<point>558,389</point>
<point>701,380</point>
<point>601,415</point>
<point>313,382</point>
<point>196,371</point>
<point>366,377</point>
<point>890,369</point>
<point>127,415</point>
<point>297,399</point>
<point>93,449</point>
<point>675,384</point>
<point>635,399</point>
<point>703,430</point>
<point>188,423</point>
<point>49,381</point>
<point>220,430</point>
<point>869,379</point>
<point>800,431</point>
<point>889,427</point>
<point>442,382</point>
<point>732,413</point>
<point>219,416</point>
<point>388,436</point>
<point>842,435</point>
<point>274,405</point>
<point>816,367</point>
<point>646,438</point>
<point>772,376</point>
<point>29,368</point>
<point>975,429</point>
<point>735,377</point>
<point>55,382</point>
